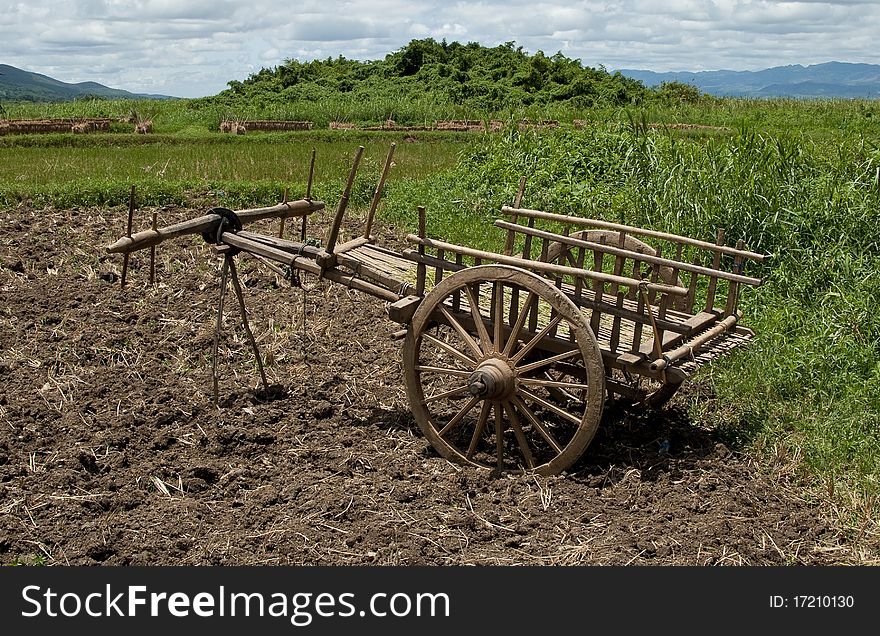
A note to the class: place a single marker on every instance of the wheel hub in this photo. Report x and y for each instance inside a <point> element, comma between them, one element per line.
<point>492,380</point>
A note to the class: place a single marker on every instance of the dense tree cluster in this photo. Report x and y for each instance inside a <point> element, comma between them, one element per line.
<point>482,79</point>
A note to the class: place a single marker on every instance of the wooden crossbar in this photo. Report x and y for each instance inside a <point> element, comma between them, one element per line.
<point>625,253</point>
<point>550,268</point>
<point>675,238</point>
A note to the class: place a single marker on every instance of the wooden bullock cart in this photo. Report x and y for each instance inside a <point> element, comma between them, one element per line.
<point>509,356</point>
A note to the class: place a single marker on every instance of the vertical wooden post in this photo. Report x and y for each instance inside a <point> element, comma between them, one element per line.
<point>517,202</point>
<point>614,341</point>
<point>733,286</point>
<point>618,262</point>
<point>311,176</point>
<point>598,288</point>
<point>377,194</point>
<point>691,297</point>
<point>343,203</point>
<point>527,242</point>
<point>633,292</point>
<point>655,275</point>
<point>637,326</point>
<point>438,271</point>
<point>153,255</point>
<point>716,262</point>
<point>281,226</point>
<point>131,202</point>
<point>302,232</point>
<point>420,268</point>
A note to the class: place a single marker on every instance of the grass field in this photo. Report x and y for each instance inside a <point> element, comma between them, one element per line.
<point>798,180</point>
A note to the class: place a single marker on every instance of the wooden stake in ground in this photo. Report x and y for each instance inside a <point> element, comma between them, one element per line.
<point>281,227</point>
<point>131,199</point>
<point>223,278</point>
<point>230,270</point>
<point>302,231</point>
<point>244,321</point>
<point>153,256</point>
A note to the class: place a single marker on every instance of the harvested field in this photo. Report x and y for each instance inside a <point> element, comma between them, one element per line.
<point>263,125</point>
<point>111,451</point>
<point>37,126</point>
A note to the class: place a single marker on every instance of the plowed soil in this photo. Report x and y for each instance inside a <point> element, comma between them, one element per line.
<point>113,452</point>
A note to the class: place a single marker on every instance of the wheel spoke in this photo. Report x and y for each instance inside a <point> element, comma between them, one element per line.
<point>468,340</point>
<point>481,426</point>
<point>499,315</point>
<point>446,394</point>
<point>448,348</point>
<point>499,435</point>
<point>478,320</point>
<point>554,383</point>
<point>560,394</point>
<point>550,406</point>
<point>531,417</point>
<point>459,373</point>
<point>520,321</point>
<point>538,337</point>
<point>458,416</point>
<point>540,363</point>
<point>520,435</point>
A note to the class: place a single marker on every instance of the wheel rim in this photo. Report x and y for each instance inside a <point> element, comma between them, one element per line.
<point>523,393</point>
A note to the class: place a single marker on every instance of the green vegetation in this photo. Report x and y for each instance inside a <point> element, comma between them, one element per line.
<point>796,179</point>
<point>232,170</point>
<point>428,80</point>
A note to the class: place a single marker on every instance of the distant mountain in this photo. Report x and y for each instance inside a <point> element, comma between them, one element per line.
<point>19,85</point>
<point>831,79</point>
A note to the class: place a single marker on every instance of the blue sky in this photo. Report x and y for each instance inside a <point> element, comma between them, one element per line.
<point>192,48</point>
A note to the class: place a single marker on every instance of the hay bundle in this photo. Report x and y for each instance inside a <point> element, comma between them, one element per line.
<point>234,127</point>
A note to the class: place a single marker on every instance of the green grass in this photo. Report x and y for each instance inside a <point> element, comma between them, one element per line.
<point>238,170</point>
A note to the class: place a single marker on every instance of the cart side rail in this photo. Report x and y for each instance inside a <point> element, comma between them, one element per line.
<point>646,310</point>
<point>712,272</point>
<point>629,229</point>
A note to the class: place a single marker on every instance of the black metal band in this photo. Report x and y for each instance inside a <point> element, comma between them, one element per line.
<point>228,221</point>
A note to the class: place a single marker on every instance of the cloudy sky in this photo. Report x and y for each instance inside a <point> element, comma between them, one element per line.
<point>191,48</point>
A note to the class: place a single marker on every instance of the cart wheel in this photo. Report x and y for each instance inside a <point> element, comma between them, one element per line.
<point>494,378</point>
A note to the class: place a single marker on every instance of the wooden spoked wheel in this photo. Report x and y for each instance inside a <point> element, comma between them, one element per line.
<point>637,389</point>
<point>502,372</point>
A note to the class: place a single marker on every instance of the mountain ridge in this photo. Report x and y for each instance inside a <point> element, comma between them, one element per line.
<point>828,79</point>
<point>19,85</point>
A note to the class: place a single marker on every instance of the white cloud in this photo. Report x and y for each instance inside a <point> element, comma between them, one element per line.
<point>193,48</point>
